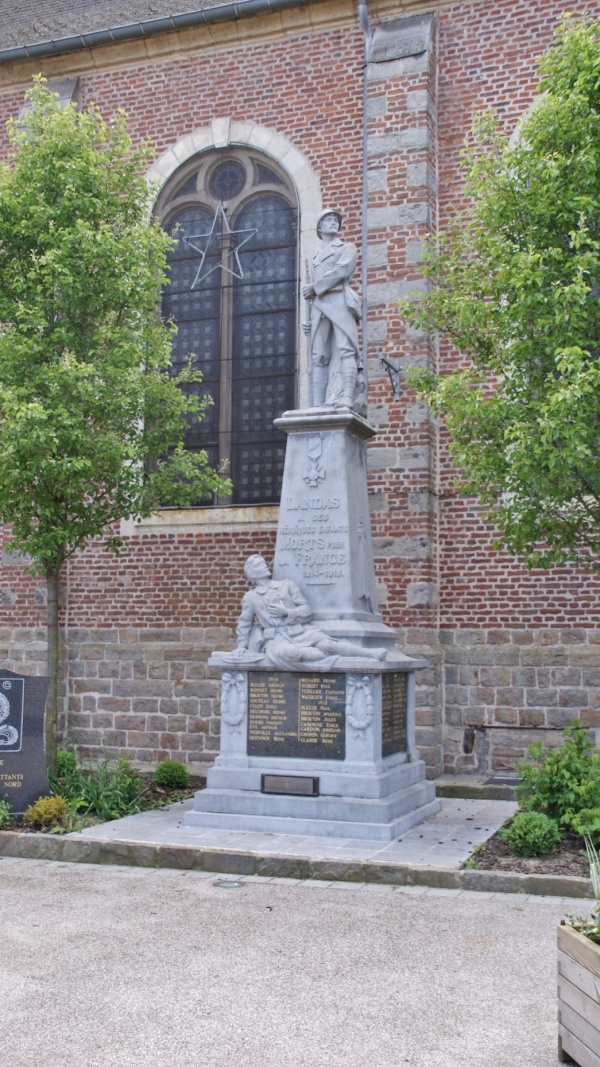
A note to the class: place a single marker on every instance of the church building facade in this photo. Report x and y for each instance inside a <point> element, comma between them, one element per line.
<point>262,113</point>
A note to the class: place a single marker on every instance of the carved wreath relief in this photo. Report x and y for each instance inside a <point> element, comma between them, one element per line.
<point>359,703</point>
<point>234,700</point>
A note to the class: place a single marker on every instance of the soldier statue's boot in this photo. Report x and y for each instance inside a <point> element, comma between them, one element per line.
<point>349,373</point>
<point>320,378</point>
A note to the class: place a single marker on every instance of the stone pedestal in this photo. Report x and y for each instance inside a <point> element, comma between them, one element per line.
<point>321,752</point>
<point>324,754</point>
<point>324,530</point>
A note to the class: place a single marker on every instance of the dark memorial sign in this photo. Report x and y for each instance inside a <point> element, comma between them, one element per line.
<point>393,713</point>
<point>300,716</point>
<point>289,785</point>
<point>22,764</point>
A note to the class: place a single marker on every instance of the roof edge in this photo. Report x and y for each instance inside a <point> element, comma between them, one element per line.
<point>148,28</point>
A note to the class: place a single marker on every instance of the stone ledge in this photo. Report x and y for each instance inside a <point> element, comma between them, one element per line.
<point>229,861</point>
<point>472,787</point>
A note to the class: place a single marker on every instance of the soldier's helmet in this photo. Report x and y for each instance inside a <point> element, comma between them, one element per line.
<point>329,211</point>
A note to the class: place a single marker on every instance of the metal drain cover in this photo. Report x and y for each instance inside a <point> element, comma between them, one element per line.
<point>229,883</point>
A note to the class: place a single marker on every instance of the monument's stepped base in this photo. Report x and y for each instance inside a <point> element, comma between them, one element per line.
<point>369,806</point>
<point>361,781</point>
<point>362,818</point>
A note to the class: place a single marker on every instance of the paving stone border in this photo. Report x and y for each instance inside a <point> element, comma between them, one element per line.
<point>233,861</point>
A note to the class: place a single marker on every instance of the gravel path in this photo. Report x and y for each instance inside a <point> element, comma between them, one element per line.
<point>120,967</point>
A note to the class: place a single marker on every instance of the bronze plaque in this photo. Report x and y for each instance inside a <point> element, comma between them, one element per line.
<point>289,785</point>
<point>393,713</point>
<point>301,716</point>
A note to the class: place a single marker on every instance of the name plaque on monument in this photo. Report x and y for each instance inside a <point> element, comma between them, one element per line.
<point>393,713</point>
<point>299,716</point>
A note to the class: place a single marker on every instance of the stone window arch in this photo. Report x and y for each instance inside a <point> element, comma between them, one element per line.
<point>233,292</point>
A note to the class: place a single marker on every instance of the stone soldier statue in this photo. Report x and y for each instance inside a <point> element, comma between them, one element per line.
<point>334,313</point>
<point>276,620</point>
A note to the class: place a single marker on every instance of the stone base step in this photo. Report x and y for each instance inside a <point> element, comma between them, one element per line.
<point>364,819</point>
<point>332,783</point>
<point>474,787</point>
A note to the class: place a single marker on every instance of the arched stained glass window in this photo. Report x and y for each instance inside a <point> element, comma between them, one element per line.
<point>233,293</point>
<point>264,327</point>
<point>197,314</point>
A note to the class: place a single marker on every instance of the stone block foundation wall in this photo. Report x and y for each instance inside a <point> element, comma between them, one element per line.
<point>146,694</point>
<point>486,695</point>
<point>506,688</point>
<point>23,649</point>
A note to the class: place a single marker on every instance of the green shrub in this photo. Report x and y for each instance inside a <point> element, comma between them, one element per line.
<point>111,789</point>
<point>587,823</point>
<point>530,833</point>
<point>67,779</point>
<point>561,782</point>
<point>4,813</point>
<point>66,763</point>
<point>47,811</point>
<point>172,774</point>
<point>108,790</point>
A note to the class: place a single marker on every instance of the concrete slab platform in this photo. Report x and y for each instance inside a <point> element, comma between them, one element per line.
<point>446,839</point>
<point>431,854</point>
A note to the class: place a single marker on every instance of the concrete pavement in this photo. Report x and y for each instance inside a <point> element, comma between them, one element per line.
<point>128,967</point>
<point>431,854</point>
<point>446,839</point>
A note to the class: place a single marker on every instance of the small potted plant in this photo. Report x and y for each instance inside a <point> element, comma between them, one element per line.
<point>579,980</point>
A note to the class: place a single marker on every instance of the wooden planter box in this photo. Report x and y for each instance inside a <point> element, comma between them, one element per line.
<point>578,999</point>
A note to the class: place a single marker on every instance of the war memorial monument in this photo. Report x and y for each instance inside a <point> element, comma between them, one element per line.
<point>317,710</point>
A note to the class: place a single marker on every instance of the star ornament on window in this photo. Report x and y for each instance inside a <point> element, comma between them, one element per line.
<point>201,242</point>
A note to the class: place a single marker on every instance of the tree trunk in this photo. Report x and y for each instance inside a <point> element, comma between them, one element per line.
<point>53,662</point>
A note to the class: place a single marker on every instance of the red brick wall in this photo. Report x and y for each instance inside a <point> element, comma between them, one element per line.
<point>488,56</point>
<point>308,88</point>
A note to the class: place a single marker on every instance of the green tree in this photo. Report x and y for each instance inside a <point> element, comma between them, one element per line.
<point>86,398</point>
<point>515,284</point>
